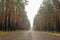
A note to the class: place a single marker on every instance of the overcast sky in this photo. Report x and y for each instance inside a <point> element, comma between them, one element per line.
<point>32,8</point>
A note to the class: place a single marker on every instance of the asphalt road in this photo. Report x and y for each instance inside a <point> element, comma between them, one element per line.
<point>27,35</point>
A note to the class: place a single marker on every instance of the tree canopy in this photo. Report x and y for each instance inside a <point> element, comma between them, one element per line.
<point>48,18</point>
<point>13,15</point>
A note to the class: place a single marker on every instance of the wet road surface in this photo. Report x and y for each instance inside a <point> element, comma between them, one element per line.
<point>27,35</point>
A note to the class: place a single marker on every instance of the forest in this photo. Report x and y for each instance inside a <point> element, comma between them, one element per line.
<point>48,17</point>
<point>13,15</point>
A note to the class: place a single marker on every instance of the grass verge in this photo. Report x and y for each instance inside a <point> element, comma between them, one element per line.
<point>2,32</point>
<point>8,32</point>
<point>52,33</point>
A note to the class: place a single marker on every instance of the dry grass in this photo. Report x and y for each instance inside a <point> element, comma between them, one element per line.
<point>2,33</point>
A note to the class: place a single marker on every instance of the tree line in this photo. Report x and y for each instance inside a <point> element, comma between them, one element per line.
<point>13,15</point>
<point>48,17</point>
